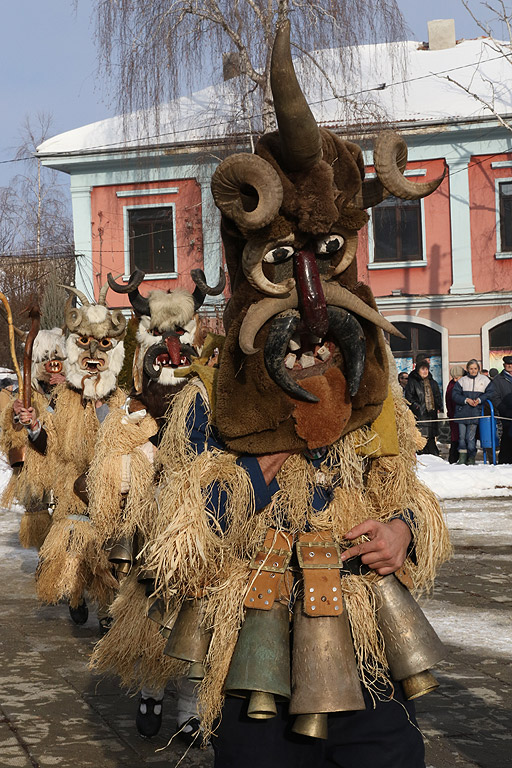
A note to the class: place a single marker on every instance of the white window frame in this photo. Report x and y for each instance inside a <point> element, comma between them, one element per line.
<point>499,253</point>
<point>372,264</point>
<point>126,228</point>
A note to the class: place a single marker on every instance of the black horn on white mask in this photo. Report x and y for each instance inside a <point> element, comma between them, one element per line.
<point>139,303</point>
<point>202,289</point>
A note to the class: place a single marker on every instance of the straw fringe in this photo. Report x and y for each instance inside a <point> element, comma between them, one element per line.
<point>133,647</point>
<point>34,527</point>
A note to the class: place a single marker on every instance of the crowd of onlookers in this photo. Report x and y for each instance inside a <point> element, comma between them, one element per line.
<point>469,388</point>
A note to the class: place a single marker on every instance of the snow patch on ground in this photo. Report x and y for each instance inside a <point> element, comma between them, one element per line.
<point>470,629</point>
<point>451,481</point>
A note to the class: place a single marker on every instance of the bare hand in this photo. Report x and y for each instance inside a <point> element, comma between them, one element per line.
<point>387,549</point>
<point>57,378</point>
<point>28,417</point>
<point>17,406</point>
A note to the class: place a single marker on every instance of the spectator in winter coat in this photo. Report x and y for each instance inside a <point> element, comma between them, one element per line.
<point>500,395</point>
<point>468,394</point>
<point>455,372</point>
<point>424,398</point>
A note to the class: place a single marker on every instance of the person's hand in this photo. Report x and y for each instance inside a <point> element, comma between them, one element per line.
<point>386,550</point>
<point>28,417</point>
<point>17,406</point>
<point>57,378</point>
<point>271,463</point>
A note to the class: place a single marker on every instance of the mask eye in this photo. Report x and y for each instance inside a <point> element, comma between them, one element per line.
<point>329,244</point>
<point>179,331</point>
<point>83,341</point>
<point>155,332</point>
<point>278,255</point>
<point>106,343</point>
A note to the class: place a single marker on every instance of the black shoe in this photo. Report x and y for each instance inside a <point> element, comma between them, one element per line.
<point>105,624</point>
<point>190,732</point>
<point>149,717</point>
<point>80,614</point>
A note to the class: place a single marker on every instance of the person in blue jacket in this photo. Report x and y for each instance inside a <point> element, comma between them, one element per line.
<point>468,394</point>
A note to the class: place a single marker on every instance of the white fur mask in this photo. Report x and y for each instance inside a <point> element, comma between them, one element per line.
<point>97,378</point>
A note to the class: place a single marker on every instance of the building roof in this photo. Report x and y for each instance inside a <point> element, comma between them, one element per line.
<point>419,93</point>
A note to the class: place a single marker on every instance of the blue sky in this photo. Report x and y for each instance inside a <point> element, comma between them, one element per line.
<point>48,63</point>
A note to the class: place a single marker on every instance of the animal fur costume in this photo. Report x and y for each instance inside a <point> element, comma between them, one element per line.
<point>121,477</point>
<point>70,559</point>
<point>304,369</point>
<point>32,484</point>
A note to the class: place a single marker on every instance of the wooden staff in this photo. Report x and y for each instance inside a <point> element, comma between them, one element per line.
<point>35,316</point>
<point>10,323</point>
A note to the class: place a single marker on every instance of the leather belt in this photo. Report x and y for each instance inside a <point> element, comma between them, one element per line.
<point>320,559</point>
<point>268,580</point>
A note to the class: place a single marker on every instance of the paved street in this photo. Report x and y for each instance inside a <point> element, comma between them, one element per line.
<point>54,712</point>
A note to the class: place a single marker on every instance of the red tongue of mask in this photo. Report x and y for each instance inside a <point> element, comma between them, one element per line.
<point>174,349</point>
<point>312,305</point>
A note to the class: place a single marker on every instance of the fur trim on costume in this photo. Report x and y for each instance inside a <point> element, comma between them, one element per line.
<point>171,310</point>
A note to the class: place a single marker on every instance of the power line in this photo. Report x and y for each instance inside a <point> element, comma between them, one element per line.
<point>379,87</point>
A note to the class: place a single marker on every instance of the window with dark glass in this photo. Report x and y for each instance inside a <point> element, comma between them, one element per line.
<point>506,216</point>
<point>152,239</point>
<point>397,230</point>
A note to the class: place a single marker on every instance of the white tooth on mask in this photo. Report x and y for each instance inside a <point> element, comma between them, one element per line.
<point>289,360</point>
<point>323,353</point>
<point>307,360</point>
<point>294,345</point>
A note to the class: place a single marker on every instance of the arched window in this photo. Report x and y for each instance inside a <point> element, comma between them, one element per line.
<point>500,344</point>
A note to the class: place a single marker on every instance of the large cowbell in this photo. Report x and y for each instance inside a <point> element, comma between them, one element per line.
<point>189,640</point>
<point>412,646</point>
<point>260,666</point>
<point>324,671</point>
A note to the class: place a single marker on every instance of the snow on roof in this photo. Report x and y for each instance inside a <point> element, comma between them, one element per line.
<point>425,96</point>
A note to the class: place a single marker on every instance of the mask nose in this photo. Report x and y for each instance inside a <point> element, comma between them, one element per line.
<point>312,304</point>
<point>93,346</point>
<point>172,342</point>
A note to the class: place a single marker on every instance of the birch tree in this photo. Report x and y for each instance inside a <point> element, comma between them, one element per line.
<point>155,50</point>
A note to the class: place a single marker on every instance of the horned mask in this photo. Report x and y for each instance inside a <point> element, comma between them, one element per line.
<point>304,360</point>
<point>48,356</point>
<point>95,349</point>
<point>169,334</point>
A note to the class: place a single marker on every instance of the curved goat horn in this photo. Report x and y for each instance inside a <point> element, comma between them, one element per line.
<point>390,158</point>
<point>248,190</point>
<point>102,296</point>
<point>300,139</point>
<point>202,288</point>
<point>83,298</point>
<point>139,303</point>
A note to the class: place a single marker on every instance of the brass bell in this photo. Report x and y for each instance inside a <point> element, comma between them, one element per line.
<point>324,671</point>
<point>412,645</point>
<point>189,640</point>
<point>315,725</point>
<point>261,660</point>
<point>167,622</point>
<point>121,553</point>
<point>156,611</point>
<point>196,672</point>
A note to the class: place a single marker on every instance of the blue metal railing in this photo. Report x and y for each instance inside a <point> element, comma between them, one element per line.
<point>488,432</point>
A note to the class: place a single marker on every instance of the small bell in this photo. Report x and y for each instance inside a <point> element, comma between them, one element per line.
<point>188,639</point>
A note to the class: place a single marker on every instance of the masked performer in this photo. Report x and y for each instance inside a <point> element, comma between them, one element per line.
<point>169,338</point>
<point>295,488</point>
<point>70,560</point>
<point>31,481</point>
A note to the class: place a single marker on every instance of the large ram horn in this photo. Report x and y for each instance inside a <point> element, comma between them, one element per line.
<point>335,295</point>
<point>300,139</point>
<point>252,265</point>
<point>119,322</point>
<point>72,315</point>
<point>83,298</point>
<point>202,288</point>
<point>348,256</point>
<point>248,190</point>
<point>388,158</point>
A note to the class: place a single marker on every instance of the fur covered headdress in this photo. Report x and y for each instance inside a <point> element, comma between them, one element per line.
<point>304,340</point>
<point>94,347</point>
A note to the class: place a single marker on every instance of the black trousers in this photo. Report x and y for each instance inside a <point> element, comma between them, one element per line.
<point>505,455</point>
<point>386,736</point>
